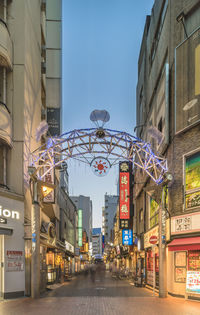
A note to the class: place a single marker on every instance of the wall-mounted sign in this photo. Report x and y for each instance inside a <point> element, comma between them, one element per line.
<point>147,236</point>
<point>124,224</point>
<point>124,190</point>
<point>49,178</point>
<point>69,247</point>
<point>188,223</point>
<point>14,260</point>
<point>6,213</point>
<point>192,183</point>
<point>80,229</point>
<point>53,119</point>
<point>127,237</point>
<point>153,239</point>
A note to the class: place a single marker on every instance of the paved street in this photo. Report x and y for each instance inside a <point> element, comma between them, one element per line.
<point>100,296</point>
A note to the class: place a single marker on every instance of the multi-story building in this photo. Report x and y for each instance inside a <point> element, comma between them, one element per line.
<point>108,213</point>
<point>30,84</point>
<point>85,204</point>
<point>96,241</point>
<point>168,116</point>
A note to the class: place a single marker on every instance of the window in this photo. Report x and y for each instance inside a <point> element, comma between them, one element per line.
<point>160,125</point>
<point>153,212</point>
<point>180,266</point>
<point>192,181</point>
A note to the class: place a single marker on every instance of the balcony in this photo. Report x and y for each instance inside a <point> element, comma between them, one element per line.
<point>5,125</point>
<point>5,46</point>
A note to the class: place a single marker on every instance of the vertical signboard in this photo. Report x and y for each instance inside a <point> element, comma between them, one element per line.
<point>188,82</point>
<point>53,120</point>
<point>49,178</point>
<point>124,190</point>
<point>127,237</point>
<point>80,231</point>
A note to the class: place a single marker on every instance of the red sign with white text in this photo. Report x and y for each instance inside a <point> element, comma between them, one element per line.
<point>124,200</point>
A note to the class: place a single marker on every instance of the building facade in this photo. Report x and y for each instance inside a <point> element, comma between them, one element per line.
<point>85,204</point>
<point>30,83</point>
<point>96,242</point>
<point>108,213</point>
<point>168,116</point>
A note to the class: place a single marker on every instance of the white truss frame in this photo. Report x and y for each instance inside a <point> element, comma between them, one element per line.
<point>85,145</point>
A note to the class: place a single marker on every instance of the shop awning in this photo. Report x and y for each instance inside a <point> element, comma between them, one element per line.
<point>189,243</point>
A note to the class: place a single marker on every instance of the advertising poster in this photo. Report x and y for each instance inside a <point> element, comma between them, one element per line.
<point>192,181</point>
<point>188,82</point>
<point>14,260</point>
<point>154,207</point>
<point>193,282</point>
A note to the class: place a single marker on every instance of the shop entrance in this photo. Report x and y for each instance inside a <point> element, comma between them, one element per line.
<point>1,266</point>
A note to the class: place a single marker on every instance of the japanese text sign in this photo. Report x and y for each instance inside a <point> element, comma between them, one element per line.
<point>124,189</point>
<point>127,237</point>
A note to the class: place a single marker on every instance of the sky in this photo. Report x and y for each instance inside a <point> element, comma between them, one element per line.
<point>101,43</point>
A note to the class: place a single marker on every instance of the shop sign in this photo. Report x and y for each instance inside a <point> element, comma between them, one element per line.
<point>127,237</point>
<point>69,247</point>
<point>193,282</point>
<point>153,239</point>
<point>49,178</point>
<point>80,232</point>
<point>186,223</point>
<point>6,213</point>
<point>14,260</point>
<point>124,190</point>
<point>147,236</point>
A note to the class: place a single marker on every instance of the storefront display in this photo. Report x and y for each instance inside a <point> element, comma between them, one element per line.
<point>193,272</point>
<point>149,264</point>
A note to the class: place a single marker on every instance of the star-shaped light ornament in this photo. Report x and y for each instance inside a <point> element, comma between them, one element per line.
<point>100,166</point>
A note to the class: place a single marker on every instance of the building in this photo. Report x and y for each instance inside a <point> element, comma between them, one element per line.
<point>96,242</point>
<point>30,84</point>
<point>168,116</point>
<point>108,213</point>
<point>85,204</point>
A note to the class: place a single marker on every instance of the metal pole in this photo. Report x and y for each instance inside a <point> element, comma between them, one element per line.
<point>154,270</point>
<point>162,249</point>
<point>35,262</point>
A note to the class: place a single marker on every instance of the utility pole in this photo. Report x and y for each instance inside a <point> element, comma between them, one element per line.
<point>162,238</point>
<point>162,248</point>
<point>35,226</point>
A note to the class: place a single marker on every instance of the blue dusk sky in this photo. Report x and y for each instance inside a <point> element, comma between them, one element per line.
<point>101,42</point>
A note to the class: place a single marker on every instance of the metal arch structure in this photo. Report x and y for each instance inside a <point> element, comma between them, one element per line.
<point>86,144</point>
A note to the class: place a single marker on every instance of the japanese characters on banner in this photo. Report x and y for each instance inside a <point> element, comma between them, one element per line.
<point>124,190</point>
<point>127,237</point>
<point>193,282</point>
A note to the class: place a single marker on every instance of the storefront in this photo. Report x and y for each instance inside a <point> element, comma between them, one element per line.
<point>152,257</point>
<point>184,256</point>
<point>12,273</point>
